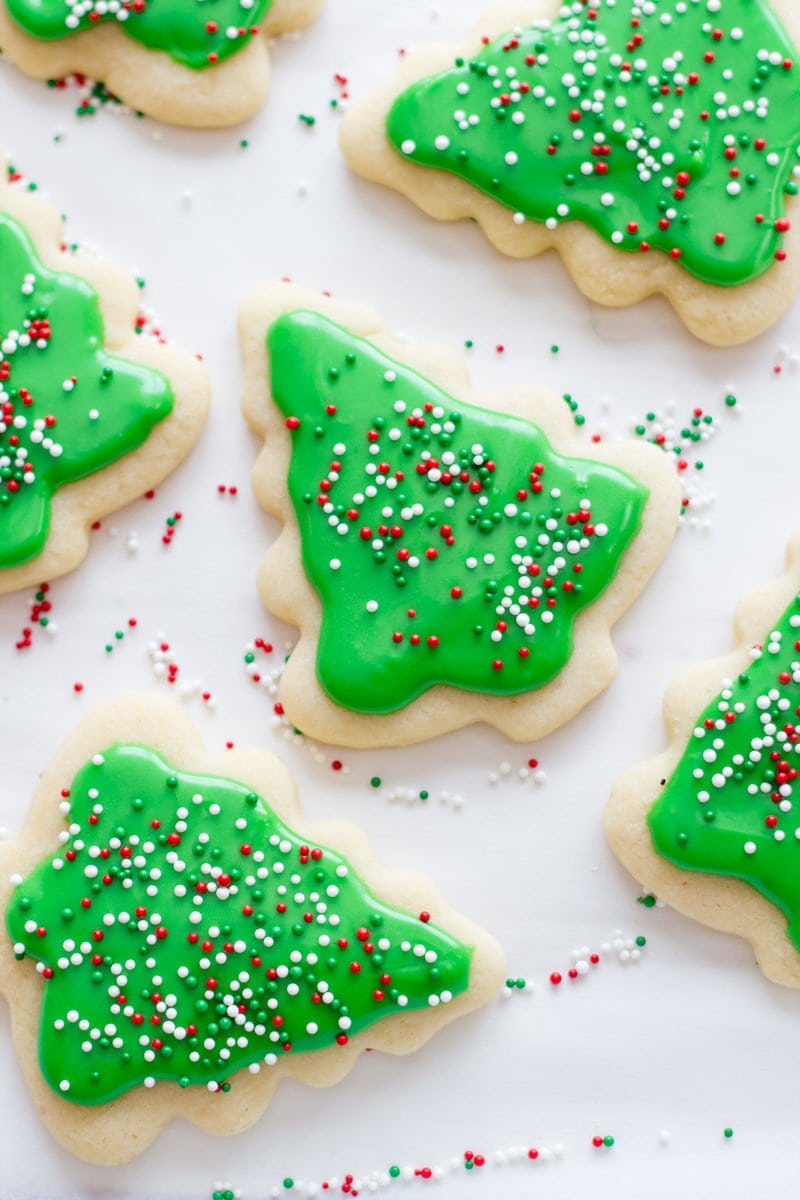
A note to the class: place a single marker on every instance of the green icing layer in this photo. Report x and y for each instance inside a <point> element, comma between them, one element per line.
<point>730,806</point>
<point>195,33</point>
<point>448,543</point>
<point>184,932</point>
<point>669,126</point>
<point>67,407</point>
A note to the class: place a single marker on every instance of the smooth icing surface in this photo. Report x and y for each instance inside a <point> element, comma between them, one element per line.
<point>195,33</point>
<point>68,408</point>
<point>448,543</point>
<point>184,932</point>
<point>729,807</point>
<point>670,126</point>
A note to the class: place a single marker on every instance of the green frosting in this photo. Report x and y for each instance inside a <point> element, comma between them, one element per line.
<point>669,126</point>
<point>730,806</point>
<point>448,543</point>
<point>184,932</point>
<point>67,407</point>
<point>195,33</point>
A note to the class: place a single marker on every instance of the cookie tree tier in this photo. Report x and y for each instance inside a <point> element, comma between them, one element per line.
<point>196,35</point>
<point>183,932</point>
<point>448,543</point>
<point>68,408</point>
<point>668,126</point>
<point>729,806</point>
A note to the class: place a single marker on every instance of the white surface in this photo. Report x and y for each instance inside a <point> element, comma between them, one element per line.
<point>689,1040</point>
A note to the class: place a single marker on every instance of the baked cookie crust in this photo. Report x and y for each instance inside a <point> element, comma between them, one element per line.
<point>722,316</point>
<point>118,1131</point>
<point>287,592</point>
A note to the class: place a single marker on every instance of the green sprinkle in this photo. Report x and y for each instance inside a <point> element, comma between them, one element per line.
<point>649,901</point>
<point>469,343</point>
<point>730,400</point>
<point>554,349</point>
<point>244,143</point>
<point>307,119</point>
<point>608,1140</point>
<point>641,941</point>
<point>423,794</point>
<point>573,405</point>
<point>728,1132</point>
<point>394,1172</point>
<point>288,1183</point>
<point>375,781</point>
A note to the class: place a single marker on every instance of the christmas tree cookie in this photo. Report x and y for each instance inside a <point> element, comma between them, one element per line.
<point>180,938</point>
<point>711,825</point>
<point>655,146</point>
<point>91,416</point>
<point>446,563</point>
<point>191,62</point>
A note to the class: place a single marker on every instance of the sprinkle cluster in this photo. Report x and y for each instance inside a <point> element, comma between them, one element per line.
<point>448,543</point>
<point>682,442</point>
<point>93,96</point>
<point>39,616</point>
<point>165,666</point>
<point>183,932</point>
<point>67,408</point>
<point>444,470</point>
<point>730,805</point>
<point>666,126</point>
<point>21,431</point>
<point>626,949</point>
<point>470,1162</point>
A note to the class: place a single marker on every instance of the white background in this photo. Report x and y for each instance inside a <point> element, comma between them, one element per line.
<point>690,1040</point>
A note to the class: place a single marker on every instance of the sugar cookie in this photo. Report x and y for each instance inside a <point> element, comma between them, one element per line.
<point>196,940</point>
<point>654,146</point>
<point>446,563</point>
<point>710,824</point>
<point>185,63</point>
<point>91,416</point>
